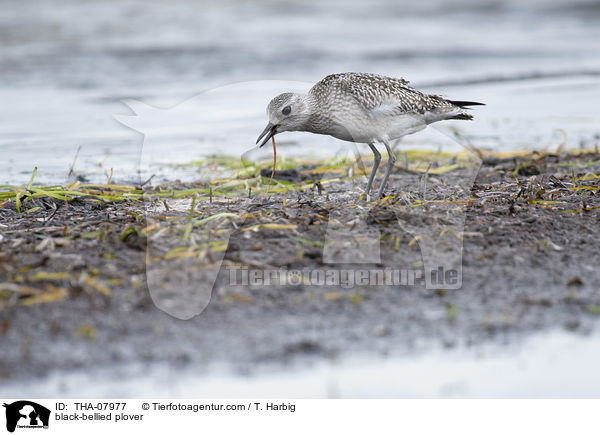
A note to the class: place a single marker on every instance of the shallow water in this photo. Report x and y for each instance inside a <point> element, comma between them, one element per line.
<point>64,69</point>
<point>552,365</point>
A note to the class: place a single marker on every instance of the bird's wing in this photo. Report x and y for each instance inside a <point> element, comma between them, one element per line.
<point>382,96</point>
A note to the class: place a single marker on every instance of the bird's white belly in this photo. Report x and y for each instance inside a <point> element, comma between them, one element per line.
<point>370,129</point>
<point>406,124</point>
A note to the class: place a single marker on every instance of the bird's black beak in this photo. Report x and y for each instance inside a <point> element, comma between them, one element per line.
<point>268,133</point>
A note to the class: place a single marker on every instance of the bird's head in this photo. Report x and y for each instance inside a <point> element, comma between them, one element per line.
<point>286,112</point>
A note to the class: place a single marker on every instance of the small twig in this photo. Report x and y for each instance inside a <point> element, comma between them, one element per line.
<point>425,176</point>
<point>319,187</point>
<point>147,181</point>
<point>190,224</point>
<point>56,207</point>
<point>74,160</point>
<point>34,230</point>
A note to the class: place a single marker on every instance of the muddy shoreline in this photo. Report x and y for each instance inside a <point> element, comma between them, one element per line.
<point>75,294</point>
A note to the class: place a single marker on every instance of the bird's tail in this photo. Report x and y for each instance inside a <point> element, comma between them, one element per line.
<point>464,116</point>
<point>465,104</point>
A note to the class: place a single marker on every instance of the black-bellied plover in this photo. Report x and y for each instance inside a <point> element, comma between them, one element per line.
<point>362,108</point>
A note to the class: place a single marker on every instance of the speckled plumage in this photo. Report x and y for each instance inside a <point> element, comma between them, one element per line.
<point>363,108</point>
<point>373,91</point>
<point>371,108</point>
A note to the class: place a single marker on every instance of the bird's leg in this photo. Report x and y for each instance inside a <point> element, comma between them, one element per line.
<point>390,165</point>
<point>376,160</point>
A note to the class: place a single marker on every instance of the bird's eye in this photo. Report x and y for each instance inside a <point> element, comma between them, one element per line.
<point>286,110</point>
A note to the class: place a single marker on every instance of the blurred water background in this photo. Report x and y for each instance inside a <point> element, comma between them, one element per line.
<point>66,66</point>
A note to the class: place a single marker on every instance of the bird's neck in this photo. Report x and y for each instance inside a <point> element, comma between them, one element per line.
<point>313,120</point>
<point>309,104</point>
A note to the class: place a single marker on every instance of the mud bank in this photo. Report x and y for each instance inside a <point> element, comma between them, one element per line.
<point>82,274</point>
